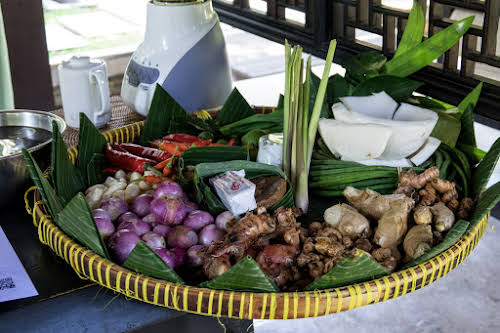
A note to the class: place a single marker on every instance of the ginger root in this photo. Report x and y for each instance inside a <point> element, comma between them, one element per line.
<point>446,188</point>
<point>443,217</point>
<point>422,215</point>
<point>370,203</point>
<point>417,241</point>
<point>393,225</point>
<point>347,220</point>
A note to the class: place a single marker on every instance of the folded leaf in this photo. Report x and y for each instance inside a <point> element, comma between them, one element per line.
<point>246,275</point>
<point>426,52</point>
<point>337,87</point>
<point>196,155</point>
<point>451,238</point>
<point>97,163</point>
<point>414,31</point>
<point>90,142</point>
<point>67,178</point>
<point>467,135</point>
<point>483,171</point>
<point>235,108</point>
<point>145,261</point>
<point>447,129</point>
<point>48,193</point>
<point>470,99</point>
<point>399,88</point>
<point>270,121</point>
<point>76,220</point>
<point>358,268</point>
<point>487,201</point>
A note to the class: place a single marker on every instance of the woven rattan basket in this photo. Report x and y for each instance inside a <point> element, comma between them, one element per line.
<point>243,305</point>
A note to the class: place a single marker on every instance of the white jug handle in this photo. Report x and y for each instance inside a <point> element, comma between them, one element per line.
<point>100,77</point>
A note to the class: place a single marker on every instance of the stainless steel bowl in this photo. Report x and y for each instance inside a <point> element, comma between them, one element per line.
<point>17,128</point>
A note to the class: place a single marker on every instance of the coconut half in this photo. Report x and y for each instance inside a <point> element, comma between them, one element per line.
<point>426,151</point>
<point>378,105</point>
<point>402,163</point>
<point>354,141</point>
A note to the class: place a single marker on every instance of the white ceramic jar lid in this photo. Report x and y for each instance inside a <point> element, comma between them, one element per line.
<point>81,63</point>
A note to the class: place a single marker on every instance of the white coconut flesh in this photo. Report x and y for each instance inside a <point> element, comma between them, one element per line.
<point>354,141</point>
<point>426,151</point>
<point>378,105</point>
<point>402,163</point>
<point>409,131</point>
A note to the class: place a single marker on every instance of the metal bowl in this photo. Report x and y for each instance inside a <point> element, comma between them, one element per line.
<point>18,129</point>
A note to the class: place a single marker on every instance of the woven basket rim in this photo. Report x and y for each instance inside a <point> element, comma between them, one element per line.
<point>236,304</point>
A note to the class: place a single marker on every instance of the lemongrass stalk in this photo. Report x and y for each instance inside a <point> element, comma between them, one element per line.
<point>302,191</point>
<point>296,109</point>
<point>320,97</point>
<point>286,111</point>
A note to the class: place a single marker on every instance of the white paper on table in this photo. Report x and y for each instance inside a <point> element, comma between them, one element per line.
<point>14,281</point>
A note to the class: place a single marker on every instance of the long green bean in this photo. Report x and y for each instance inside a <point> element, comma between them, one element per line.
<point>444,167</point>
<point>461,173</point>
<point>363,183</point>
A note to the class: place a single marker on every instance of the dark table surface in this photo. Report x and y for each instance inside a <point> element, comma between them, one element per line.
<point>68,304</point>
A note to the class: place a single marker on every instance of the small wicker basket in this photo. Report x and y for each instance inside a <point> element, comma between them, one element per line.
<point>233,304</point>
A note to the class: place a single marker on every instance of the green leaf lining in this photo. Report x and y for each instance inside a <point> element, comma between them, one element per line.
<point>144,260</point>
<point>90,142</point>
<point>451,238</point>
<point>97,163</point>
<point>487,201</point>
<point>483,171</point>
<point>76,220</point>
<point>471,99</point>
<point>48,193</point>
<point>447,129</point>
<point>196,155</point>
<point>235,108</point>
<point>66,177</point>
<point>361,267</point>
<point>246,275</point>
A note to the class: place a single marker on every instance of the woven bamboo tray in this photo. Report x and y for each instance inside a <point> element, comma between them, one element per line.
<point>232,304</point>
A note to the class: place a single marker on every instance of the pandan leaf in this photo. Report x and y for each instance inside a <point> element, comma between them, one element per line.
<point>473,153</point>
<point>451,238</point>
<point>48,193</point>
<point>337,87</point>
<point>273,122</point>
<point>90,142</point>
<point>314,86</point>
<point>467,135</point>
<point>470,99</point>
<point>235,108</point>
<point>361,267</point>
<point>144,260</point>
<point>364,65</point>
<point>76,220</point>
<point>483,171</point>
<point>429,103</point>
<point>246,275</point>
<point>196,155</point>
<point>66,177</point>
<point>447,129</point>
<point>426,52</point>
<point>399,88</point>
<point>97,163</point>
<point>487,201</point>
<point>414,30</point>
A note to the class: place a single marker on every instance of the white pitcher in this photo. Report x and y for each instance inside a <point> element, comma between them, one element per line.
<point>84,88</point>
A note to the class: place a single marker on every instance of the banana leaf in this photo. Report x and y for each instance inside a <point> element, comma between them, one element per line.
<point>196,155</point>
<point>447,129</point>
<point>361,267</point>
<point>145,261</point>
<point>337,87</point>
<point>90,142</point>
<point>399,88</point>
<point>246,275</point>
<point>451,238</point>
<point>414,30</point>
<point>48,193</point>
<point>235,108</point>
<point>471,99</point>
<point>76,220</point>
<point>67,178</point>
<point>426,52</point>
<point>483,171</point>
<point>97,163</point>
<point>487,201</point>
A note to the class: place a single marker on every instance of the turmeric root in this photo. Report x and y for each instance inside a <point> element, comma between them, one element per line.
<point>370,203</point>
<point>347,220</point>
<point>465,208</point>
<point>393,225</point>
<point>428,195</point>
<point>446,188</point>
<point>409,180</point>
<point>422,215</point>
<point>417,241</point>
<point>443,217</point>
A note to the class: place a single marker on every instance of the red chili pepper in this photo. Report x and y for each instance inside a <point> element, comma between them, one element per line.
<point>231,142</point>
<point>186,138</point>
<point>174,148</point>
<point>111,170</point>
<point>126,160</point>
<point>119,148</point>
<point>162,164</point>
<point>146,152</point>
<point>154,179</point>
